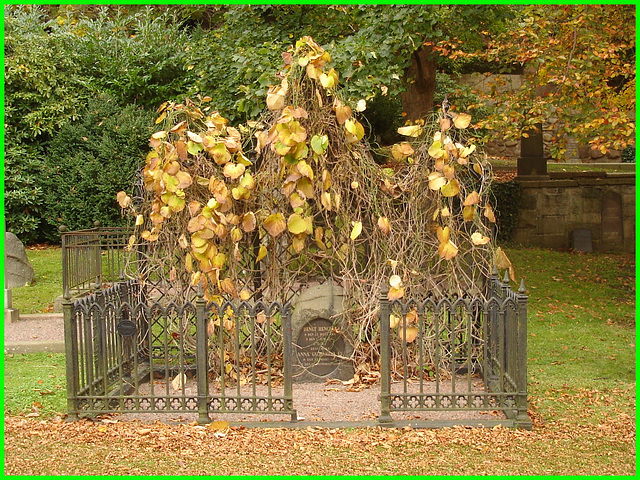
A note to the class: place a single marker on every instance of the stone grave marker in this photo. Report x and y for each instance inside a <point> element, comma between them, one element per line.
<point>531,160</point>
<point>321,348</point>
<point>581,240</point>
<point>17,269</point>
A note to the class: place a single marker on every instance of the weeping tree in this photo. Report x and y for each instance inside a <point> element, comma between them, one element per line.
<point>260,210</point>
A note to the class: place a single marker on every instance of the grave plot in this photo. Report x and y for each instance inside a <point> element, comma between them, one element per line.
<point>277,252</point>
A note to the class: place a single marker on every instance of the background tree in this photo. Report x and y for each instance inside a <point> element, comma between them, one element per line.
<point>579,75</point>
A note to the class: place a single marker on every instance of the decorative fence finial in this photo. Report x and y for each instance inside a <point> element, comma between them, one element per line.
<point>523,288</point>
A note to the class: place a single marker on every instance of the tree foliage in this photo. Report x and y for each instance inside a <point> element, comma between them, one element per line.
<point>579,75</point>
<point>259,210</point>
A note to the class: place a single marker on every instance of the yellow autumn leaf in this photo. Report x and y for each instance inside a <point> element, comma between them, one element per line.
<point>325,200</point>
<point>462,120</point>
<point>357,229</point>
<point>299,241</point>
<point>468,213</point>
<point>123,199</point>
<point>355,130</point>
<point>443,234</point>
<point>275,224</point>
<point>447,250</point>
<point>394,320</point>
<point>245,294</point>
<point>436,150</point>
<point>478,239</point>
<point>343,113</point>
<point>275,101</point>
<point>408,335</point>
<point>194,137</point>
<point>472,199</point>
<point>402,150</point>
<point>262,252</point>
<point>396,293</point>
<point>248,223</point>
<point>466,151</point>
<point>488,212</point>
<point>229,287</point>
<point>384,225</point>
<point>297,224</point>
<point>304,169</point>
<point>436,180</point>
<point>451,189</point>
<point>503,263</point>
<point>233,170</point>
<point>410,131</point>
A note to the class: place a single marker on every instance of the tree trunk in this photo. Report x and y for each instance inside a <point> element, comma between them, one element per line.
<point>420,78</point>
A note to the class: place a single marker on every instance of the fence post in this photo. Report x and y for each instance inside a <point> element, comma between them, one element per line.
<point>71,357</point>
<point>385,358</point>
<point>522,418</point>
<point>287,351</point>
<point>201,357</point>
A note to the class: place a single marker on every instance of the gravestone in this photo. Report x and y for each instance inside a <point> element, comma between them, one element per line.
<point>18,270</point>
<point>612,218</point>
<point>321,348</point>
<point>581,240</point>
<point>532,160</point>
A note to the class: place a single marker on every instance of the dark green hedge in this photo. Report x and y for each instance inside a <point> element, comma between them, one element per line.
<point>89,161</point>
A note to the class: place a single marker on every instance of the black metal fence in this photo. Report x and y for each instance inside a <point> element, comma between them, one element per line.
<point>124,355</point>
<point>92,258</point>
<point>456,354</point>
<point>129,350</point>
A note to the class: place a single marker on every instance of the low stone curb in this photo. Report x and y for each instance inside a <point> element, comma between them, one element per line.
<point>32,347</point>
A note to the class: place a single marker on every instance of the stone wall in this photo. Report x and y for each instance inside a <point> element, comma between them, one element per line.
<point>603,203</point>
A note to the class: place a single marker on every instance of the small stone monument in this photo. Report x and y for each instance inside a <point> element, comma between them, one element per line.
<point>17,269</point>
<point>321,347</point>
<point>581,240</point>
<point>531,161</point>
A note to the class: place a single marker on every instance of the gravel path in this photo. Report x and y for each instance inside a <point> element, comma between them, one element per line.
<point>35,328</point>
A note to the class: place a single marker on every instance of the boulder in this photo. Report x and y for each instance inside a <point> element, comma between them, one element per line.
<point>17,269</point>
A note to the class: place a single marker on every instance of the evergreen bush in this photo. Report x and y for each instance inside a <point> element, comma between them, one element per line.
<point>89,161</point>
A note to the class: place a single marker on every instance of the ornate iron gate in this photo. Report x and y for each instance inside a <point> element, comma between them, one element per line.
<point>128,350</point>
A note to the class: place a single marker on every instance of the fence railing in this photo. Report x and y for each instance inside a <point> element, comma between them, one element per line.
<point>130,351</point>
<point>124,355</point>
<point>92,257</point>
<point>456,354</point>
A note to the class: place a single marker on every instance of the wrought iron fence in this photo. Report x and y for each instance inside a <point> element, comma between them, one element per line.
<point>125,355</point>
<point>91,258</point>
<point>456,354</point>
<point>130,350</point>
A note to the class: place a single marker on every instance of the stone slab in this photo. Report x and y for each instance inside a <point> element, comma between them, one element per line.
<point>321,346</point>
<point>581,240</point>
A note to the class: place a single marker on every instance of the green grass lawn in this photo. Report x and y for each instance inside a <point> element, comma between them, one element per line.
<point>39,296</point>
<point>35,384</point>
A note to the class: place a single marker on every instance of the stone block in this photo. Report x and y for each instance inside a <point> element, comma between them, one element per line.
<point>321,343</point>
<point>17,269</point>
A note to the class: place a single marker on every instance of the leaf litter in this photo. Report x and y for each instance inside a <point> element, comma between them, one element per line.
<point>573,444</point>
